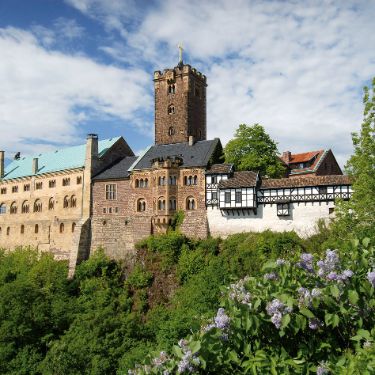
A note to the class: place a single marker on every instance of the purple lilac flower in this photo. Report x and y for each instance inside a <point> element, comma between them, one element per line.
<point>166,372</point>
<point>304,297</point>
<point>238,292</point>
<point>346,274</point>
<point>271,276</point>
<point>276,309</point>
<point>189,360</point>
<point>316,292</point>
<point>371,278</point>
<point>306,262</point>
<point>322,369</point>
<point>221,319</point>
<point>281,262</point>
<point>332,276</point>
<point>315,323</point>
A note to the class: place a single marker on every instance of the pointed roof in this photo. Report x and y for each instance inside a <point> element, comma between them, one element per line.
<point>67,158</point>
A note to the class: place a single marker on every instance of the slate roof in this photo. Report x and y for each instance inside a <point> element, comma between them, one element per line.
<point>197,155</point>
<point>240,179</point>
<point>305,181</point>
<point>67,158</point>
<point>118,170</point>
<point>220,169</point>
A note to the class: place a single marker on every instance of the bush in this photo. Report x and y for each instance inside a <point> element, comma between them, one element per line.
<point>301,316</point>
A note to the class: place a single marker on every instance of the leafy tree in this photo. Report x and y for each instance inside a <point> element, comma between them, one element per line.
<point>359,213</point>
<point>253,149</point>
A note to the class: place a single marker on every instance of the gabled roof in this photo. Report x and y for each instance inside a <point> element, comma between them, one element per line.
<point>240,179</point>
<point>274,183</point>
<point>119,170</point>
<point>67,158</point>
<point>220,169</point>
<point>197,155</point>
<point>304,157</point>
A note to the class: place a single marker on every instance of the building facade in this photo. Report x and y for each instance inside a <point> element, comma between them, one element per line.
<point>100,195</point>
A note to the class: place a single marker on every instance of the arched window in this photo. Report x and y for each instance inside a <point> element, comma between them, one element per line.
<point>146,182</point>
<point>162,180</point>
<point>13,208</point>
<point>190,180</point>
<point>25,207</point>
<point>141,183</point>
<point>190,203</point>
<point>195,180</point>
<point>171,89</point>
<point>3,209</point>
<point>36,229</point>
<point>66,202</point>
<point>161,203</point>
<point>38,206</point>
<point>51,204</point>
<point>22,229</point>
<point>171,109</point>
<point>141,205</point>
<point>8,231</point>
<point>171,130</point>
<point>62,228</point>
<point>172,204</point>
<point>73,227</point>
<point>136,183</point>
<point>73,201</point>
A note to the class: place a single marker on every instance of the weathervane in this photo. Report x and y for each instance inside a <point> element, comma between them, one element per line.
<point>180,48</point>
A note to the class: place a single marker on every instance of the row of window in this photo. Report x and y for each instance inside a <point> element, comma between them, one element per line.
<point>36,229</point>
<point>39,185</point>
<point>172,90</point>
<point>69,202</point>
<point>227,197</point>
<point>190,204</point>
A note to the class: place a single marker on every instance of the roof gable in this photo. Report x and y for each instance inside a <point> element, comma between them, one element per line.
<point>67,158</point>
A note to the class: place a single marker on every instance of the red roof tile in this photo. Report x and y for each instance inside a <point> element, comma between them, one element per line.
<point>304,157</point>
<point>305,181</point>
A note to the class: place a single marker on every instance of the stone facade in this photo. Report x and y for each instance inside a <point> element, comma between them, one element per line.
<point>180,105</point>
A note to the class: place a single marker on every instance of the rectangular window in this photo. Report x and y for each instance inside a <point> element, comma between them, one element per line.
<point>3,209</point>
<point>322,189</point>
<point>66,181</point>
<point>52,183</point>
<point>214,195</point>
<point>79,180</point>
<point>227,197</point>
<point>38,185</point>
<point>3,190</point>
<point>116,210</point>
<point>26,187</point>
<point>238,196</point>
<point>104,210</point>
<point>283,209</point>
<point>110,210</point>
<point>111,192</point>
<point>14,189</point>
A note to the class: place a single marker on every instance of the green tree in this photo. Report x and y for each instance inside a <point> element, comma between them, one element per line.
<point>253,149</point>
<point>358,214</point>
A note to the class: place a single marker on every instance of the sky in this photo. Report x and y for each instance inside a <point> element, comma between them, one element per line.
<point>72,67</point>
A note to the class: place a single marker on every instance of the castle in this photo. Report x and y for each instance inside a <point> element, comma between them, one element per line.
<point>72,201</point>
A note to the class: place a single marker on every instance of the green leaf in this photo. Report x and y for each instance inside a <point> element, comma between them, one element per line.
<point>353,297</point>
<point>335,291</point>
<point>335,320</point>
<point>307,313</point>
<point>195,346</point>
<point>365,242</point>
<point>285,321</point>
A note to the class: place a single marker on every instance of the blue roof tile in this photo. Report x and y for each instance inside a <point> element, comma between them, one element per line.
<point>67,158</point>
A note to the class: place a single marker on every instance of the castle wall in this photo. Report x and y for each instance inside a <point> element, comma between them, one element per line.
<point>50,228</point>
<point>302,219</point>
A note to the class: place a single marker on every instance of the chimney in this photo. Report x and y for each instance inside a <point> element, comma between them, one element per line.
<point>2,162</point>
<point>191,140</point>
<point>92,152</point>
<point>286,157</point>
<point>35,166</point>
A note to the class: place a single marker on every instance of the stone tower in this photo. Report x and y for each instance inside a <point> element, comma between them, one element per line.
<point>180,105</point>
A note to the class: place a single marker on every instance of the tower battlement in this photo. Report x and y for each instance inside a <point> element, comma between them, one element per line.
<point>179,70</point>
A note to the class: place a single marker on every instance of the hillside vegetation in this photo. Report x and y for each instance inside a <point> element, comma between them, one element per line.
<point>113,314</point>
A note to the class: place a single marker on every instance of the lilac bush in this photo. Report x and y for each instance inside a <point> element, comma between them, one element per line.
<point>316,316</point>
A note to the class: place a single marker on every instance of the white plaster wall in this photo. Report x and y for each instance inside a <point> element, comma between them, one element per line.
<point>302,219</point>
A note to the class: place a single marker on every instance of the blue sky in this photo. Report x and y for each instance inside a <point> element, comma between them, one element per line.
<point>72,67</point>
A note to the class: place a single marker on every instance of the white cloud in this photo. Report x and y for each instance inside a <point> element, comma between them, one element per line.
<point>45,95</point>
<point>68,28</point>
<point>295,67</point>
